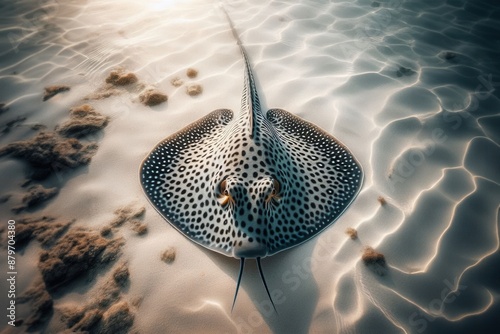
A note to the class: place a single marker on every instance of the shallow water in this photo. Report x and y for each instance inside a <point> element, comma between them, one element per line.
<point>411,87</point>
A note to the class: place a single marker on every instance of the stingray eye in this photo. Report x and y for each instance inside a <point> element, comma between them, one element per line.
<point>223,188</point>
<point>224,197</point>
<point>275,196</point>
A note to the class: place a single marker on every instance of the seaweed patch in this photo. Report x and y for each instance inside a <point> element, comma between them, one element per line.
<point>75,254</point>
<point>47,152</point>
<point>51,91</point>
<point>36,195</point>
<point>84,120</point>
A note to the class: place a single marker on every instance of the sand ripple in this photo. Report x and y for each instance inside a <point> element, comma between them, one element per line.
<point>411,87</point>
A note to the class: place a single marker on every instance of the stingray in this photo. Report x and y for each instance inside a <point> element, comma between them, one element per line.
<point>250,184</point>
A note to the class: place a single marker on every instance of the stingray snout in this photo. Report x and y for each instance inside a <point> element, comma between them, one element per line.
<point>249,250</point>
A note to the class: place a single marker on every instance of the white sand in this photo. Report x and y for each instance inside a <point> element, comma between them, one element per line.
<point>426,136</point>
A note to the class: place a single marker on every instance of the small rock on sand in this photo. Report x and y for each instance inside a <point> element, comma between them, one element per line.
<point>168,256</point>
<point>382,200</point>
<point>375,261</point>
<point>352,233</point>
<point>121,78</point>
<point>371,256</point>
<point>191,73</point>
<point>194,89</point>
<point>176,82</point>
<point>152,97</point>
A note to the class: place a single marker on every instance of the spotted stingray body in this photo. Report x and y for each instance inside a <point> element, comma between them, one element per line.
<point>253,184</point>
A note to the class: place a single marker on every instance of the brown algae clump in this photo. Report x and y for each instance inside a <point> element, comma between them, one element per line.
<point>47,152</point>
<point>66,258</point>
<point>121,275</point>
<point>194,89</point>
<point>117,319</point>
<point>46,230</point>
<point>121,78</point>
<point>352,233</point>
<point>168,256</point>
<point>139,228</point>
<point>36,195</point>
<point>106,231</point>
<point>129,213</point>
<point>51,91</point>
<point>152,97</point>
<point>84,120</point>
<point>108,312</point>
<point>191,73</point>
<point>74,255</point>
<point>371,256</point>
<point>176,82</point>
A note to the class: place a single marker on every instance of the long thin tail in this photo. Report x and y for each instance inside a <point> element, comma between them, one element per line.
<point>250,102</point>
<point>265,285</point>
<point>231,25</point>
<point>242,265</point>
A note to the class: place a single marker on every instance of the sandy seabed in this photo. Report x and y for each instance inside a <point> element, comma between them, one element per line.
<point>411,87</point>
